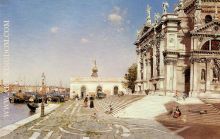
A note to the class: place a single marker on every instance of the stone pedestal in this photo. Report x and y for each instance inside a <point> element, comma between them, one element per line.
<point>170,79</point>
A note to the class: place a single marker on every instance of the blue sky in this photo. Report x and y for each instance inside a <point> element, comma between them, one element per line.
<point>63,37</point>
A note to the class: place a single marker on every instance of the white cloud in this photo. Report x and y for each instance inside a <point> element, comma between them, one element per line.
<point>54,29</point>
<point>116,16</point>
<point>84,40</point>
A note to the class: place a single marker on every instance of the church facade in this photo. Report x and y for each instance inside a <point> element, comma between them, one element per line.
<point>83,86</point>
<point>180,51</point>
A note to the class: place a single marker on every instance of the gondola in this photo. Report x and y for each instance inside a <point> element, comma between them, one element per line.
<point>32,106</point>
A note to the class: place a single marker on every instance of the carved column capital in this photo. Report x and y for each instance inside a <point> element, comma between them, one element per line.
<point>168,61</point>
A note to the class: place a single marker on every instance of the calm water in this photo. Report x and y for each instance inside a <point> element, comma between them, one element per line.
<point>10,112</point>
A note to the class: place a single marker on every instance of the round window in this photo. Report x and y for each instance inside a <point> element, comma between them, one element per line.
<point>208,18</point>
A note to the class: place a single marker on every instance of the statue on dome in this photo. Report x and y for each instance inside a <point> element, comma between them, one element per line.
<point>179,6</point>
<point>148,10</point>
<point>165,7</point>
<point>181,3</point>
<point>138,33</point>
<point>157,17</point>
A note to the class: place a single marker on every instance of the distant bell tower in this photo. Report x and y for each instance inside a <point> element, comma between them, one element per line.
<point>94,70</point>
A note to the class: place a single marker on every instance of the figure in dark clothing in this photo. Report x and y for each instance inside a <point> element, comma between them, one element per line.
<point>91,98</point>
<point>86,102</point>
<point>45,99</point>
<point>177,113</point>
<point>77,97</point>
<point>91,105</point>
<point>110,109</point>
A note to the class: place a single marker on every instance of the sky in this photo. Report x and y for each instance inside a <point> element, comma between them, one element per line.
<point>62,38</point>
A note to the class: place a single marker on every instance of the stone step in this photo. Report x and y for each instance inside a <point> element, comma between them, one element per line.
<point>117,103</point>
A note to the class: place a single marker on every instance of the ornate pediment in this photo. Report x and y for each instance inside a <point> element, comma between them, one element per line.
<point>209,29</point>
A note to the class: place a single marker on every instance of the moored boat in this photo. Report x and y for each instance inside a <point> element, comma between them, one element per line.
<point>32,106</point>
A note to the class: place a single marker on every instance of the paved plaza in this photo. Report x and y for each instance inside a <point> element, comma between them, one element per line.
<point>73,120</point>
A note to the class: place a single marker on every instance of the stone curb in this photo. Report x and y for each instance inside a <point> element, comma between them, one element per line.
<point>10,128</point>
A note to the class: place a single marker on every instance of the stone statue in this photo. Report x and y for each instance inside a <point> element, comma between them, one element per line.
<point>138,33</point>
<point>156,17</point>
<point>181,3</point>
<point>148,10</point>
<point>198,12</point>
<point>179,6</point>
<point>165,7</point>
<point>216,12</point>
<point>215,73</point>
<point>203,76</point>
<point>198,4</point>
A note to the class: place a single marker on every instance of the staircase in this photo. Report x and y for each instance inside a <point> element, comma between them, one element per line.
<point>117,103</point>
<point>160,107</point>
<point>147,108</point>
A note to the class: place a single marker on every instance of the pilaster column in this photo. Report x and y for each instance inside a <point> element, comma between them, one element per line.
<point>148,75</point>
<point>137,85</point>
<point>145,73</point>
<point>154,62</point>
<point>171,76</point>
<point>209,76</point>
<point>194,79</point>
<point>145,68</point>
<point>162,44</point>
<point>138,67</point>
<point>174,78</point>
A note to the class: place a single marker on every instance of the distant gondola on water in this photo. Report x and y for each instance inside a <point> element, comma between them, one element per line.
<point>17,97</point>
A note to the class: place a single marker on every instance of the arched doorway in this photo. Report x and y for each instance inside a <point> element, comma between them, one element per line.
<point>115,90</point>
<point>99,89</point>
<point>83,91</point>
<point>187,81</point>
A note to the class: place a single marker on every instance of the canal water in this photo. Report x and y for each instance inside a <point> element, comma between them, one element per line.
<point>10,112</point>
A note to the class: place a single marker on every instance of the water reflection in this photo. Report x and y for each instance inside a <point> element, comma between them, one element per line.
<point>10,112</point>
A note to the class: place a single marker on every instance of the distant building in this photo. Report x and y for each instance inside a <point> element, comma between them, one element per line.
<point>92,85</point>
<point>33,88</point>
<point>180,52</point>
